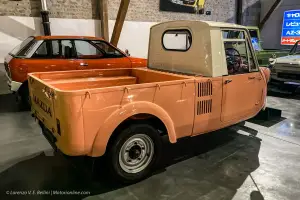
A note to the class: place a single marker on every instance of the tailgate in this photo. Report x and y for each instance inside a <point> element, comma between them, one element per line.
<point>42,100</point>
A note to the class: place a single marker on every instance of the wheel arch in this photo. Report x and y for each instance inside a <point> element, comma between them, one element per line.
<point>141,112</point>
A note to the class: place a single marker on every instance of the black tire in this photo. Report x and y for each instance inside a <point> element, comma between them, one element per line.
<point>24,100</point>
<point>115,151</point>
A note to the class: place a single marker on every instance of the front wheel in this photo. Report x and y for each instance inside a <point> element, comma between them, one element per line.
<point>134,153</point>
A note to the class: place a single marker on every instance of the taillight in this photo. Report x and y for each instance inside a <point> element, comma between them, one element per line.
<point>7,69</point>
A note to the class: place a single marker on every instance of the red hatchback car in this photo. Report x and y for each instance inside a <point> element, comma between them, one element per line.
<point>61,53</point>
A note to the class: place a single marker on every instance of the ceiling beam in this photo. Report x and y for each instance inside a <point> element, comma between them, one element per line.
<point>269,13</point>
<point>104,20</point>
<point>119,22</point>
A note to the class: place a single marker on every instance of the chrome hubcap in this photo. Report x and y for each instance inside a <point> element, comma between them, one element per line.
<point>136,153</point>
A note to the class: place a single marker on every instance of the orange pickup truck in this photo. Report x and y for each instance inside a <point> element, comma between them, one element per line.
<point>198,80</point>
<point>61,53</point>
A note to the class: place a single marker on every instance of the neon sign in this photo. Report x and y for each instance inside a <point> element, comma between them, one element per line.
<point>290,27</point>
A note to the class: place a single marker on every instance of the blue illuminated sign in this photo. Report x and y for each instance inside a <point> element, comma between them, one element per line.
<point>290,27</point>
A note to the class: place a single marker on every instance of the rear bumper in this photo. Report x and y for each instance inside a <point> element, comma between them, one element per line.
<point>13,85</point>
<point>82,162</point>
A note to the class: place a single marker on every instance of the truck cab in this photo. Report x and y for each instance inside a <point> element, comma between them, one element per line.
<point>199,78</point>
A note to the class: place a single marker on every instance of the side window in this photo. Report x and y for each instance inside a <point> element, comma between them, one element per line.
<point>86,50</point>
<point>42,51</point>
<point>62,49</point>
<point>66,45</point>
<point>236,57</point>
<point>239,58</point>
<point>55,49</point>
<point>255,40</point>
<point>233,34</point>
<point>251,59</point>
<point>110,52</point>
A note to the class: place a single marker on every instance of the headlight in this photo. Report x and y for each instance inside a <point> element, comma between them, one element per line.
<point>272,61</point>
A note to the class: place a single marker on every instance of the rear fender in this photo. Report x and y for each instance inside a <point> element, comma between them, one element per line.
<point>115,119</point>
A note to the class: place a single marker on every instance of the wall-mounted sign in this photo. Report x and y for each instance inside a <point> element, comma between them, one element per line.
<point>290,27</point>
<point>186,6</point>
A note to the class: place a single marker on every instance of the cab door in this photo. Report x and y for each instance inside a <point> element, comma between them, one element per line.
<point>92,55</point>
<point>242,87</point>
<point>238,98</point>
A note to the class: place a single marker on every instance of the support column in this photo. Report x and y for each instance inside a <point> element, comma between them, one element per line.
<point>239,12</point>
<point>104,20</point>
<point>119,22</point>
<point>45,18</point>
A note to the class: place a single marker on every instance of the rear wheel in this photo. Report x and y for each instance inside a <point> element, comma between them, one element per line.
<point>134,153</point>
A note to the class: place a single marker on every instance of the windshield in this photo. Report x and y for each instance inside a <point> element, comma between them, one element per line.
<point>25,44</point>
<point>296,48</point>
<point>107,49</point>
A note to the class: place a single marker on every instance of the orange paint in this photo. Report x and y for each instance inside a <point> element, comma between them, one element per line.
<point>195,95</point>
<point>91,104</point>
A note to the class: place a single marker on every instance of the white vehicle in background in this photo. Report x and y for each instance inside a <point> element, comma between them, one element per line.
<point>285,71</point>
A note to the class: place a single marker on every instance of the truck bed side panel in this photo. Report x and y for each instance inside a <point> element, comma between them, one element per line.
<point>176,99</point>
<point>68,110</point>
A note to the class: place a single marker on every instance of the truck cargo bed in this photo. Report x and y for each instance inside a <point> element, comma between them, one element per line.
<point>80,80</point>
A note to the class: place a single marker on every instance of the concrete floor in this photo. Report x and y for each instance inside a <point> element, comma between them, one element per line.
<point>257,161</point>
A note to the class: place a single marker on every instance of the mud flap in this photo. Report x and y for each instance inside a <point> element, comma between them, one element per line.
<point>268,114</point>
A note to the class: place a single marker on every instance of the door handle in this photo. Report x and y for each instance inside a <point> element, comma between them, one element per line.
<point>251,77</point>
<point>228,81</point>
<point>84,64</point>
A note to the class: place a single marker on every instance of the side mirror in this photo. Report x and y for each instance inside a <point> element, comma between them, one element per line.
<point>127,52</point>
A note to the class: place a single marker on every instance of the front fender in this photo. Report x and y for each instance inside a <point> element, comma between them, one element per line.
<point>126,111</point>
<point>265,72</point>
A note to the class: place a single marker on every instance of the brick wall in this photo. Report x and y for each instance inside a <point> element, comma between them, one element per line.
<point>251,12</point>
<point>148,10</point>
<point>74,9</point>
<point>139,10</point>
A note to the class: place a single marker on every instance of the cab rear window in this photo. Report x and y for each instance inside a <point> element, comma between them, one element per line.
<point>177,40</point>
